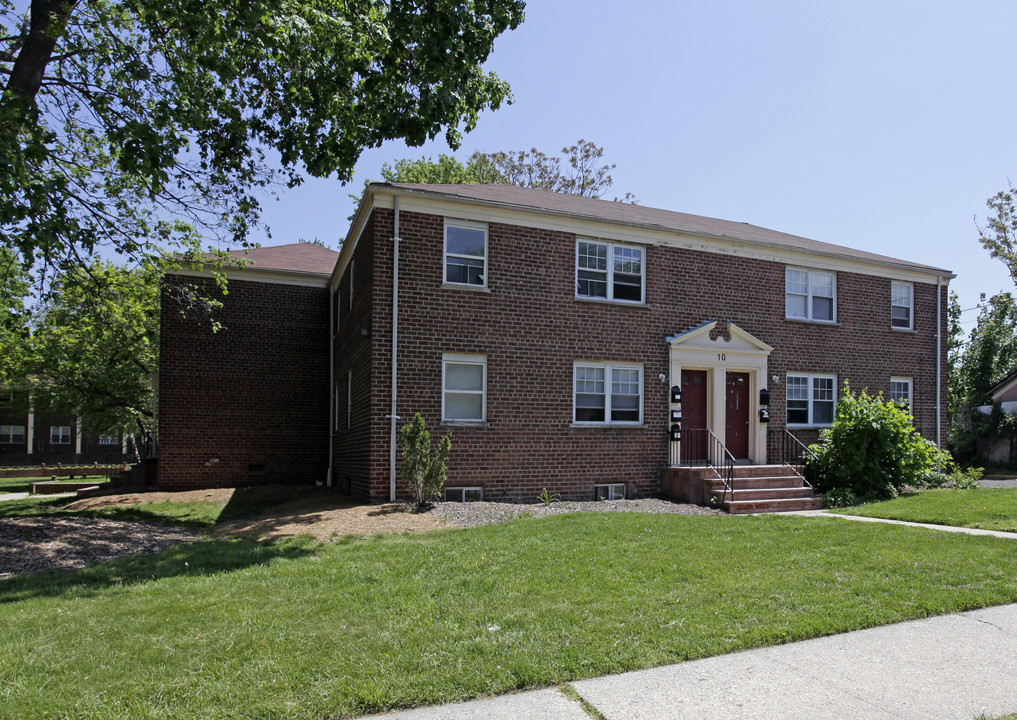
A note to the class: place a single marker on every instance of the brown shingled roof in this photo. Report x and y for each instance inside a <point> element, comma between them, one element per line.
<point>638,215</point>
<point>295,257</point>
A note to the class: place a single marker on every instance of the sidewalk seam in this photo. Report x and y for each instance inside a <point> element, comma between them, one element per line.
<point>570,692</point>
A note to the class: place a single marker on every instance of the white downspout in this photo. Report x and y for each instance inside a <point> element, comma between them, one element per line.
<point>395,355</point>
<point>331,386</point>
<point>939,359</point>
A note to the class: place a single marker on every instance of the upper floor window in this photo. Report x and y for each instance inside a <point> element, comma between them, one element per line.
<point>60,434</point>
<point>109,440</point>
<point>607,393</point>
<point>12,434</point>
<point>901,305</point>
<point>464,388</point>
<point>810,294</point>
<point>465,253</point>
<point>900,390</point>
<point>609,272</point>
<point>811,399</point>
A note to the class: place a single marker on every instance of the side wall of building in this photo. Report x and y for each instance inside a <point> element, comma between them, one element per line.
<point>248,404</point>
<point>531,328</point>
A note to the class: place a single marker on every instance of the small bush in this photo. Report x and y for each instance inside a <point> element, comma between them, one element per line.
<point>873,449</point>
<point>840,497</point>
<point>423,472</point>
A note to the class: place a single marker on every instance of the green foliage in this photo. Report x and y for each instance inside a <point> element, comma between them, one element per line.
<point>999,236</point>
<point>446,170</point>
<point>840,497</point>
<point>120,118</point>
<point>546,498</point>
<point>956,478</point>
<point>15,283</point>
<point>422,471</point>
<point>873,449</point>
<point>991,352</point>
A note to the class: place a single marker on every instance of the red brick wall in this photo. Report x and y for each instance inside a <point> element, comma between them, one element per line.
<point>532,329</point>
<point>250,403</point>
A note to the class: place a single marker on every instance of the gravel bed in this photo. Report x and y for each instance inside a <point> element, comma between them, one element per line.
<point>33,544</point>
<point>474,514</point>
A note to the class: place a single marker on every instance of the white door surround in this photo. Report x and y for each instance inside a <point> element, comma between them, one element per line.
<point>721,348</point>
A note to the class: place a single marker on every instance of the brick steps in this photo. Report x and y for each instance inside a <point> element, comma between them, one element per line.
<point>742,507</point>
<point>756,489</point>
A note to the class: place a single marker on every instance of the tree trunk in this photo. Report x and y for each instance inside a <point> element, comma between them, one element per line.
<point>47,21</point>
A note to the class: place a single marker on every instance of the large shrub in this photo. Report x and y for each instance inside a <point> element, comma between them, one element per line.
<point>423,472</point>
<point>873,449</point>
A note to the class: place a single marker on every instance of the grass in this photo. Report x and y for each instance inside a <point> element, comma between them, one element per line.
<point>988,509</point>
<point>23,484</point>
<point>236,629</point>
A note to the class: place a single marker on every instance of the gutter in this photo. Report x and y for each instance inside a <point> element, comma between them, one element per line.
<point>331,386</point>
<point>393,418</point>
<point>939,360</point>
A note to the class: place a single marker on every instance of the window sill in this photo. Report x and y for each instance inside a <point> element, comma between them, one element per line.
<point>465,423</point>
<point>806,321</point>
<point>808,427</point>
<point>605,301</point>
<point>906,331</point>
<point>609,426</point>
<point>471,288</point>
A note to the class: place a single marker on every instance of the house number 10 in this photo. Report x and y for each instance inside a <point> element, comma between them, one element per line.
<point>722,357</point>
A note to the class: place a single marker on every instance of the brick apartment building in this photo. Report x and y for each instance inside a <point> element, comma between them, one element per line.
<point>40,435</point>
<point>547,332</point>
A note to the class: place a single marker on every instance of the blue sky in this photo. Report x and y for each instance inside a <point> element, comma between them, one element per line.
<point>882,126</point>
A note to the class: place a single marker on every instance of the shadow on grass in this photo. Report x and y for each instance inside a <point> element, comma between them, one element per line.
<point>195,559</point>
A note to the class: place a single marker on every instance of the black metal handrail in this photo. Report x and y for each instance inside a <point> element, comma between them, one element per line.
<point>699,446</point>
<point>784,448</point>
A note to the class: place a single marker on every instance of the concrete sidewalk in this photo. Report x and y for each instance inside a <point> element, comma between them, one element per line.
<point>961,666</point>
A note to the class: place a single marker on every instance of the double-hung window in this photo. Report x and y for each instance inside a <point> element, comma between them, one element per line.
<point>901,305</point>
<point>465,253</point>
<point>900,390</point>
<point>109,440</point>
<point>12,434</point>
<point>810,294</point>
<point>60,434</point>
<point>607,393</point>
<point>607,271</point>
<point>464,388</point>
<point>811,399</point>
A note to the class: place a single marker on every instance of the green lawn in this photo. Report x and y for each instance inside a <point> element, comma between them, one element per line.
<point>988,509</point>
<point>236,629</point>
<point>23,484</point>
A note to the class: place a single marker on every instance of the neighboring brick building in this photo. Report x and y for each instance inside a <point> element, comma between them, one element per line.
<point>546,331</point>
<point>38,435</point>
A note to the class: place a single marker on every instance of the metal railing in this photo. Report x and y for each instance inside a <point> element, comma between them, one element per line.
<point>700,447</point>
<point>784,448</point>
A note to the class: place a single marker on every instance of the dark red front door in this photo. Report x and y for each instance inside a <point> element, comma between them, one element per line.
<point>694,445</point>
<point>737,431</point>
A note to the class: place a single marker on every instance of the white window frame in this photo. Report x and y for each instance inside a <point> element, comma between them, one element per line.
<point>608,370</point>
<point>8,436</point>
<point>109,440</point>
<point>351,284</point>
<point>445,255</point>
<point>609,273</point>
<point>909,383</point>
<point>611,491</point>
<point>59,435</point>
<point>812,377</point>
<point>461,492</point>
<point>810,295</point>
<point>910,304</point>
<point>464,359</point>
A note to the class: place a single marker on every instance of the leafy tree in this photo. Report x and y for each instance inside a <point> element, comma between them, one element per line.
<point>991,352</point>
<point>873,449</point>
<point>95,354</point>
<point>121,118</point>
<point>422,471</point>
<point>446,170</point>
<point>999,236</point>
<point>14,317</point>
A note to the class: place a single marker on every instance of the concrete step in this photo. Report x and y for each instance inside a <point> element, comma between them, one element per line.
<point>750,471</point>
<point>771,494</point>
<point>742,507</point>
<point>758,483</point>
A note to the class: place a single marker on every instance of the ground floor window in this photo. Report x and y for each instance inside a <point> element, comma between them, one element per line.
<point>614,491</point>
<point>900,390</point>
<point>607,393</point>
<point>12,434</point>
<point>464,388</point>
<point>811,399</point>
<point>109,440</point>
<point>463,494</point>
<point>60,434</point>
